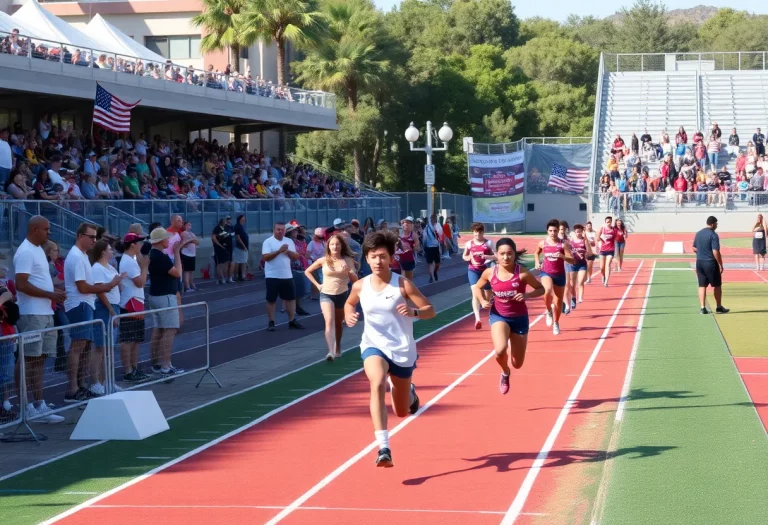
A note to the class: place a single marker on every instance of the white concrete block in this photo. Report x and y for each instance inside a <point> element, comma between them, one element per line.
<point>133,416</point>
<point>673,247</point>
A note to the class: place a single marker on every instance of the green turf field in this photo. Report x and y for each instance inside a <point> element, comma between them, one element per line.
<point>745,328</point>
<point>688,405</point>
<point>51,489</point>
<point>737,242</point>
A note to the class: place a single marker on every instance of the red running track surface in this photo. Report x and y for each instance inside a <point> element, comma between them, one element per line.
<point>754,373</point>
<point>463,460</point>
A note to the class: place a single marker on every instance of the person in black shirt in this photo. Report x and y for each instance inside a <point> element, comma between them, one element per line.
<point>147,244</point>
<point>164,275</point>
<point>709,265</point>
<point>240,252</point>
<point>222,250</point>
<point>354,231</point>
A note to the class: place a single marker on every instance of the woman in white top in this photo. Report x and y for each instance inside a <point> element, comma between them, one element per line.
<point>388,347</point>
<point>106,308</point>
<point>135,266</point>
<point>188,255</point>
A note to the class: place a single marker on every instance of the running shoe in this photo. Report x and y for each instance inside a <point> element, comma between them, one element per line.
<point>573,303</point>
<point>722,310</point>
<point>384,459</point>
<point>295,325</point>
<point>564,308</point>
<point>271,327</point>
<point>504,384</point>
<point>478,324</point>
<point>301,311</point>
<point>329,357</point>
<point>704,311</point>
<point>415,405</point>
<point>556,329</point>
<point>549,319</point>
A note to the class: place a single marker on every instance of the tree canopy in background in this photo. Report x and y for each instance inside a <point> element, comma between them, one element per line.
<point>475,65</point>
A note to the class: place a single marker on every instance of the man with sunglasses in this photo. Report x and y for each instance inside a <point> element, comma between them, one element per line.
<point>79,305</point>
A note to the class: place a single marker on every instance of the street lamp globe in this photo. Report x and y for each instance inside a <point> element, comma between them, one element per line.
<point>445,133</point>
<point>412,133</point>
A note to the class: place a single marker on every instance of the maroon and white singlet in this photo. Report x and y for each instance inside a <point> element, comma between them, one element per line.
<point>476,252</point>
<point>503,293</point>
<point>608,238</point>
<point>553,264</point>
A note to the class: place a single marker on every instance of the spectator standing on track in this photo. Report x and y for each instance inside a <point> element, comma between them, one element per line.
<point>134,265</point>
<point>222,249</point>
<point>432,247</point>
<point>80,304</point>
<point>278,252</point>
<point>188,257</point>
<point>240,252</point>
<point>292,231</point>
<point>315,251</point>
<point>35,292</point>
<point>164,275</point>
<point>107,306</point>
<point>709,265</point>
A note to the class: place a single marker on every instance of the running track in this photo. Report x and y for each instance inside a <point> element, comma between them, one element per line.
<point>469,457</point>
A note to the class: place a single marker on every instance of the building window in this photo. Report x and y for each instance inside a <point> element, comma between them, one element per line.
<point>174,47</point>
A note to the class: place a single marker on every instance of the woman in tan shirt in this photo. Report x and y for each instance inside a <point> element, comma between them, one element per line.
<point>338,267</point>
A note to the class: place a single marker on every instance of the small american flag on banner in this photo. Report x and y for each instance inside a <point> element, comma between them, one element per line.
<point>568,179</point>
<point>110,112</point>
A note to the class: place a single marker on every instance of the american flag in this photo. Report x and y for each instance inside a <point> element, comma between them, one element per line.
<point>110,112</point>
<point>568,179</point>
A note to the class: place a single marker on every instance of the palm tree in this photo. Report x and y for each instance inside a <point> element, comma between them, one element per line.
<point>281,21</point>
<point>218,18</point>
<point>351,60</point>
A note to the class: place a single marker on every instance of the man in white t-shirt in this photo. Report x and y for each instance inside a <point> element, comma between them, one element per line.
<point>79,305</point>
<point>278,251</point>
<point>35,292</point>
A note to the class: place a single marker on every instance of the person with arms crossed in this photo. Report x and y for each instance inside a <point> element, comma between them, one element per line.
<point>388,348</point>
<point>278,251</point>
<point>709,265</point>
<point>35,292</point>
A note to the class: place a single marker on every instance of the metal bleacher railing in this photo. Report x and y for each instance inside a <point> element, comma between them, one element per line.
<point>519,145</point>
<point>143,73</point>
<point>261,214</point>
<point>716,61</point>
<point>680,202</point>
<point>362,186</point>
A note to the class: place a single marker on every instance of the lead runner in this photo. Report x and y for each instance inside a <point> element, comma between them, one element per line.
<point>388,347</point>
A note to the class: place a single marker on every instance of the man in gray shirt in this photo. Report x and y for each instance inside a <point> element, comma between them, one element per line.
<point>709,265</point>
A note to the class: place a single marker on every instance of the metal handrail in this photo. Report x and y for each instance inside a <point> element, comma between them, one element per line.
<point>338,175</point>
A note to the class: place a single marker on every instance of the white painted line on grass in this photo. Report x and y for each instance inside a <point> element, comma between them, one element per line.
<point>193,439</point>
<point>77,493</point>
<point>635,345</point>
<point>298,502</point>
<point>525,489</point>
<point>208,432</point>
<point>235,432</point>
<point>149,457</point>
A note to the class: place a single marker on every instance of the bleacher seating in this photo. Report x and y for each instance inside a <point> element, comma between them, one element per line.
<point>735,99</point>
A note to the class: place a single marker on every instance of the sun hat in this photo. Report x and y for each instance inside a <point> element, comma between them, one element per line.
<point>159,235</point>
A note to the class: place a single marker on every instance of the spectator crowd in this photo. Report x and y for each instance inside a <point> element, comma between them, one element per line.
<point>688,172</point>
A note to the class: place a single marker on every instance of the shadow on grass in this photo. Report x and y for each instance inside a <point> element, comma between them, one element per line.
<point>634,395</point>
<point>508,461</point>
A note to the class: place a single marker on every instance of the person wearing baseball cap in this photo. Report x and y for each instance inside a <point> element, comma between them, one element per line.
<point>338,225</point>
<point>709,265</point>
<point>315,251</point>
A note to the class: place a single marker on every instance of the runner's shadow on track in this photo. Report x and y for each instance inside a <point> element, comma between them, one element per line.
<point>634,395</point>
<point>505,461</point>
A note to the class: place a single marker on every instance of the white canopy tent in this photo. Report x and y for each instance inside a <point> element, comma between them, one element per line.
<point>52,28</point>
<point>8,24</point>
<point>116,41</point>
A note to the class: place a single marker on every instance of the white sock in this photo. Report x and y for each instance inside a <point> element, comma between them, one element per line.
<point>7,405</point>
<point>382,438</point>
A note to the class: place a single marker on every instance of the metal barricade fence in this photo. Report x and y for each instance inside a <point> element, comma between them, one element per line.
<point>9,345</point>
<point>159,345</point>
<point>60,367</point>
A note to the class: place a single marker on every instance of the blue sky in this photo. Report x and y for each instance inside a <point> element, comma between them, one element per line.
<point>561,9</point>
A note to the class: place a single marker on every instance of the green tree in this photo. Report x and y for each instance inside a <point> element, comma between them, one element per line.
<point>218,22</point>
<point>351,60</point>
<point>645,29</point>
<point>557,59</point>
<point>483,22</point>
<point>538,27</point>
<point>281,21</point>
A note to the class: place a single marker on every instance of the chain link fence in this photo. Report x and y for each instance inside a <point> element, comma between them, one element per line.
<point>721,61</point>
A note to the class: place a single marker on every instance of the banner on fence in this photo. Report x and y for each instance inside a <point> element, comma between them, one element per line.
<point>497,183</point>
<point>557,168</point>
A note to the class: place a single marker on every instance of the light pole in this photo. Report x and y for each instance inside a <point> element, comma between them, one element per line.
<point>445,135</point>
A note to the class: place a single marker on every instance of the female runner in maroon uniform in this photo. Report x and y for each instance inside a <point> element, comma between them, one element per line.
<point>606,239</point>
<point>509,313</point>
<point>591,235</point>
<point>409,245</point>
<point>577,272</point>
<point>621,242</point>
<point>477,252</point>
<point>556,254</point>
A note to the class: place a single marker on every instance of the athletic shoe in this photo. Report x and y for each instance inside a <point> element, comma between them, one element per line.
<point>271,327</point>
<point>45,416</point>
<point>97,389</point>
<point>556,329</point>
<point>301,311</point>
<point>7,416</point>
<point>80,395</point>
<point>549,319</point>
<point>589,280</point>
<point>566,310</point>
<point>704,311</point>
<point>337,355</point>
<point>722,310</point>
<point>156,369</point>
<point>329,357</point>
<point>504,384</point>
<point>573,303</point>
<point>415,405</point>
<point>384,459</point>
<point>295,325</point>
<point>478,325</point>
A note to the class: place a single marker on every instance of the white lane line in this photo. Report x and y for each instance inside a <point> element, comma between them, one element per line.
<point>525,489</point>
<point>298,502</point>
<point>78,493</point>
<point>760,275</point>
<point>277,507</point>
<point>754,373</point>
<point>148,457</point>
<point>233,433</point>
<point>193,439</point>
<point>635,345</point>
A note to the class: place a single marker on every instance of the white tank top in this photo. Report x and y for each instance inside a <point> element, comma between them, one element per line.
<point>385,329</point>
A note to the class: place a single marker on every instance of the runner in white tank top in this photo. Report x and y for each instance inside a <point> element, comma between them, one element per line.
<point>388,348</point>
